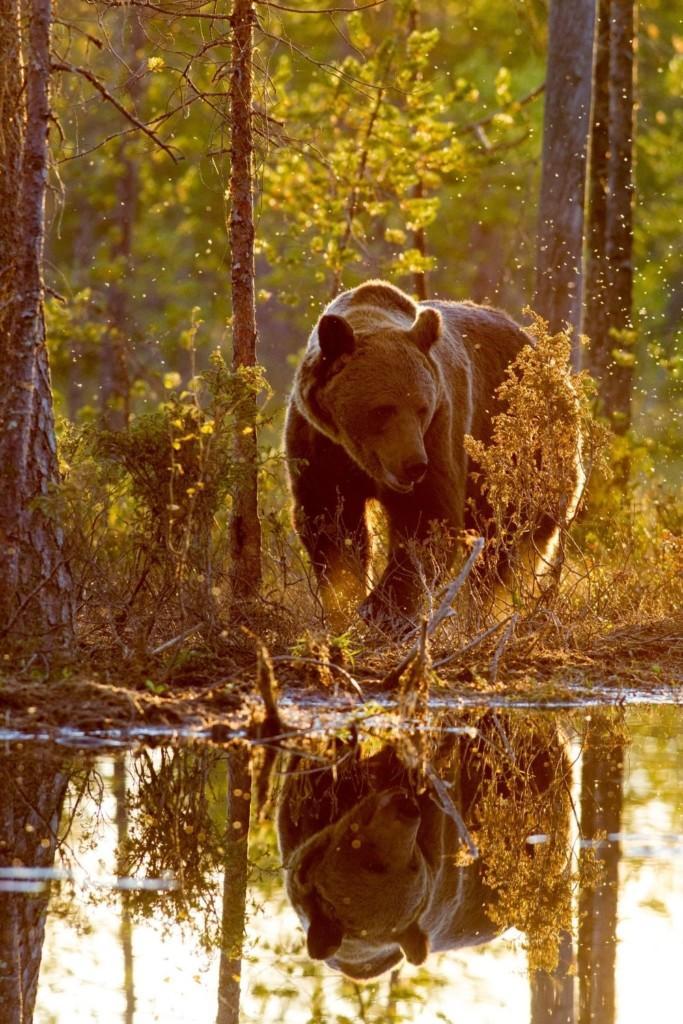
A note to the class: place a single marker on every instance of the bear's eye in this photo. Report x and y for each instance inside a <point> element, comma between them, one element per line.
<point>423,412</point>
<point>380,416</point>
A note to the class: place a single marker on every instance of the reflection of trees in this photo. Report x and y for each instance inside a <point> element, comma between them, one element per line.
<point>32,788</point>
<point>126,926</point>
<point>601,808</point>
<point>234,885</point>
<point>552,995</point>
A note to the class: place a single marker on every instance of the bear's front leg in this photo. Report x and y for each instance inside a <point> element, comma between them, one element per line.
<point>330,494</point>
<point>422,545</point>
<point>337,543</point>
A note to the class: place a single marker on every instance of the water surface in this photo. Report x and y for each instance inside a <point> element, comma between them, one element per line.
<point>529,864</point>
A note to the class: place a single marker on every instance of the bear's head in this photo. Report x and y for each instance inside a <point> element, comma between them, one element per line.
<point>361,884</point>
<point>373,387</point>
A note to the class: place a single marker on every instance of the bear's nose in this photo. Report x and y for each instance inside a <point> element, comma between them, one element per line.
<point>404,805</point>
<point>414,470</point>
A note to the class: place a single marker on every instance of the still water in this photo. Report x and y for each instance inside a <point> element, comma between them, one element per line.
<point>488,867</point>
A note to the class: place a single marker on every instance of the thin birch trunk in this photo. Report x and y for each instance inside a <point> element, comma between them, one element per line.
<point>35,583</point>
<point>245,525</point>
<point>565,142</point>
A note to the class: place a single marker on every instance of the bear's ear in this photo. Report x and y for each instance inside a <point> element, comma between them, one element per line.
<point>324,936</point>
<point>414,944</point>
<point>426,329</point>
<point>335,336</point>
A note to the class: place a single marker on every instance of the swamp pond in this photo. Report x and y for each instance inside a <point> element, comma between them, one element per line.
<point>487,865</point>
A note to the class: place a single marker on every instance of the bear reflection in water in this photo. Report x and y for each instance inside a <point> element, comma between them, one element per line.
<point>380,859</point>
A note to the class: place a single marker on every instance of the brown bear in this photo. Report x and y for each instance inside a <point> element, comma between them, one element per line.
<point>382,401</point>
<point>375,864</point>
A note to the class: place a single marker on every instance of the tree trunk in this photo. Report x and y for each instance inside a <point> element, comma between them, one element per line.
<point>601,805</point>
<point>245,525</point>
<point>35,584</point>
<point>609,290</point>
<point>597,274</point>
<point>419,234</point>
<point>565,141</point>
<point>234,886</point>
<point>618,381</point>
<point>31,795</point>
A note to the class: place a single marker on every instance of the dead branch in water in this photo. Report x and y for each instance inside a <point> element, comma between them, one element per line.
<point>443,612</point>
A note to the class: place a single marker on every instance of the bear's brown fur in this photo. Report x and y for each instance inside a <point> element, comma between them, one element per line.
<point>375,865</point>
<point>379,410</point>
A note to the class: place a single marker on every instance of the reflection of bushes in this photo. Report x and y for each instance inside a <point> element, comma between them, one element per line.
<point>176,830</point>
<point>527,795</point>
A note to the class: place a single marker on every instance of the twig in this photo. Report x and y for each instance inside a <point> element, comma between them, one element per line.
<point>323,662</point>
<point>444,609</point>
<point>474,126</point>
<point>103,91</point>
<point>441,613</point>
<point>448,807</point>
<point>502,644</point>
<point>320,10</point>
<point>414,696</point>
<point>503,735</point>
<point>474,642</point>
<point>176,639</point>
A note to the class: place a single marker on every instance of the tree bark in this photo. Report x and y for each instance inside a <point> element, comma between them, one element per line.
<point>234,886</point>
<point>597,273</point>
<point>609,302</point>
<point>619,239</point>
<point>245,525</point>
<point>565,142</point>
<point>35,584</point>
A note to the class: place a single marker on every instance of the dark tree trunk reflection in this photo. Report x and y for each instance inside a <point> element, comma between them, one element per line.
<point>234,885</point>
<point>32,791</point>
<point>126,924</point>
<point>601,806</point>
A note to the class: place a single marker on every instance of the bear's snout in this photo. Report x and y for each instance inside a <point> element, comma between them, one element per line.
<point>405,807</point>
<point>414,470</point>
<point>400,803</point>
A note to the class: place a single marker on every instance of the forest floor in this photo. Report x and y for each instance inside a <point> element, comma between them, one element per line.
<point>217,694</point>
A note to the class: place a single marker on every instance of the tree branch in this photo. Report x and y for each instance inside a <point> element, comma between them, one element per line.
<point>103,91</point>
